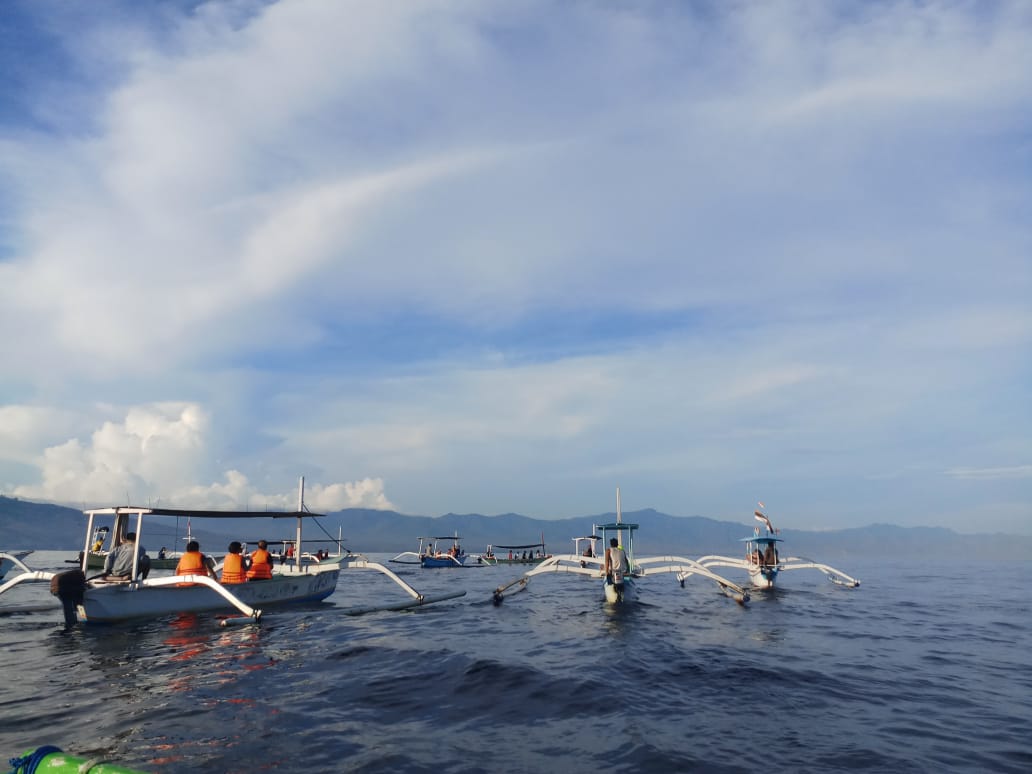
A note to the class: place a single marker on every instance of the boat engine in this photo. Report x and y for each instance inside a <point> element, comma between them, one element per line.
<point>70,588</point>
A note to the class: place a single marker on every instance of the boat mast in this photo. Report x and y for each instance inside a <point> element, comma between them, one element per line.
<point>300,509</point>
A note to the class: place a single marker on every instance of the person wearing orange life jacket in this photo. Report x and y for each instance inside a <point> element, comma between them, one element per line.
<point>261,563</point>
<point>233,566</point>
<point>193,562</point>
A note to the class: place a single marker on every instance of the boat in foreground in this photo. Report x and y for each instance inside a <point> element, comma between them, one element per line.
<point>103,599</point>
<point>590,562</point>
<point>763,561</point>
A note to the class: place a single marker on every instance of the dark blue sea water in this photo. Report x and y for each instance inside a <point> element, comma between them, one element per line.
<point>924,668</point>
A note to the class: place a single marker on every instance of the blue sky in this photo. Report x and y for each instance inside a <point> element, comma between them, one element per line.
<point>505,257</point>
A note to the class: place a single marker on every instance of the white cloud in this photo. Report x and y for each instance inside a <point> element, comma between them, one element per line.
<point>496,262</point>
<point>991,474</point>
<point>154,457</point>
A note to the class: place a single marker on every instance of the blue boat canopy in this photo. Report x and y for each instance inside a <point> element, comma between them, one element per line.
<point>761,539</point>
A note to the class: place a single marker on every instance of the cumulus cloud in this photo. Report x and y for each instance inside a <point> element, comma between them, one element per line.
<point>154,456</point>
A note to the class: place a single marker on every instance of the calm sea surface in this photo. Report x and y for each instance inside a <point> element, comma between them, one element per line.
<point>923,668</point>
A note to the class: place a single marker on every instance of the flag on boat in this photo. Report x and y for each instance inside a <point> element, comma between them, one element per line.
<point>762,517</point>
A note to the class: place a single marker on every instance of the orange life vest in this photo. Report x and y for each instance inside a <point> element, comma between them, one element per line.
<point>261,565</point>
<point>233,569</point>
<point>191,563</point>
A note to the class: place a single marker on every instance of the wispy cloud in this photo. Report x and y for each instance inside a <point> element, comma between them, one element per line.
<point>989,474</point>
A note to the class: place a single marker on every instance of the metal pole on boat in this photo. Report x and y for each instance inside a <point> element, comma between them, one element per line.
<point>300,509</point>
<point>618,520</point>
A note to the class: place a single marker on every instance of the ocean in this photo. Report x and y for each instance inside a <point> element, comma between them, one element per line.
<point>924,668</point>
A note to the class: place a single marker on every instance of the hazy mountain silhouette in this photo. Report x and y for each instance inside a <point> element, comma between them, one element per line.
<point>44,526</point>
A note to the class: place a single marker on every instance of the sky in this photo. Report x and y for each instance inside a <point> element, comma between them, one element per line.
<point>459,256</point>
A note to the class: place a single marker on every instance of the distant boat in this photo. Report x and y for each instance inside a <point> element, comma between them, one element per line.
<point>763,561</point>
<point>525,553</point>
<point>430,553</point>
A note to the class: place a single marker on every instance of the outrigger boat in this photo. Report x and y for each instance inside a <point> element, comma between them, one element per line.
<point>589,562</point>
<point>102,600</point>
<point>763,561</point>
<point>430,555</point>
<point>526,553</point>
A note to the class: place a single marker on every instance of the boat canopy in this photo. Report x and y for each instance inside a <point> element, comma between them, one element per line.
<point>527,545</point>
<point>761,539</point>
<point>617,525</point>
<point>203,514</point>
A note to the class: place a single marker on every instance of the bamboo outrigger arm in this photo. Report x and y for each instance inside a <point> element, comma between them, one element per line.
<point>571,563</point>
<point>359,562</point>
<point>685,568</point>
<point>803,563</point>
<point>28,575</point>
<point>16,561</point>
<point>204,580</point>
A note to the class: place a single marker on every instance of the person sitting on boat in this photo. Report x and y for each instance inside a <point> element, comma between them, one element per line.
<point>617,565</point>
<point>234,565</point>
<point>118,565</point>
<point>161,553</point>
<point>770,557</point>
<point>261,563</point>
<point>193,562</point>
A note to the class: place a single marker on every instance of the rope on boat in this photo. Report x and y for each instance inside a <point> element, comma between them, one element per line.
<point>37,760</point>
<point>27,763</point>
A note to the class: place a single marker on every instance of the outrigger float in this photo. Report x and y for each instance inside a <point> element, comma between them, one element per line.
<point>591,562</point>
<point>101,600</point>
<point>763,561</point>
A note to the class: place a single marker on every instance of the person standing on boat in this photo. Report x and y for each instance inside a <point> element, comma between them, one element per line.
<point>617,565</point>
<point>261,563</point>
<point>119,563</point>
<point>233,566</point>
<point>193,562</point>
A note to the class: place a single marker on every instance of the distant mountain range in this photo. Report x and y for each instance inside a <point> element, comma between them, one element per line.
<point>43,526</point>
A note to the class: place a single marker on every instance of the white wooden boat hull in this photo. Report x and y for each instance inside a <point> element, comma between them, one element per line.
<point>113,602</point>
<point>762,578</point>
<point>616,597</point>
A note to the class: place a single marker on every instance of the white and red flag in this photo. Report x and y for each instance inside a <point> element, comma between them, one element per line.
<point>762,517</point>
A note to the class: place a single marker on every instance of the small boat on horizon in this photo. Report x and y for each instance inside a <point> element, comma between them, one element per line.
<point>524,553</point>
<point>431,555</point>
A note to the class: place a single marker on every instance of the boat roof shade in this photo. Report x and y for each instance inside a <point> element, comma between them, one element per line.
<point>764,539</point>
<point>202,514</point>
<point>528,545</point>
<point>615,525</point>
